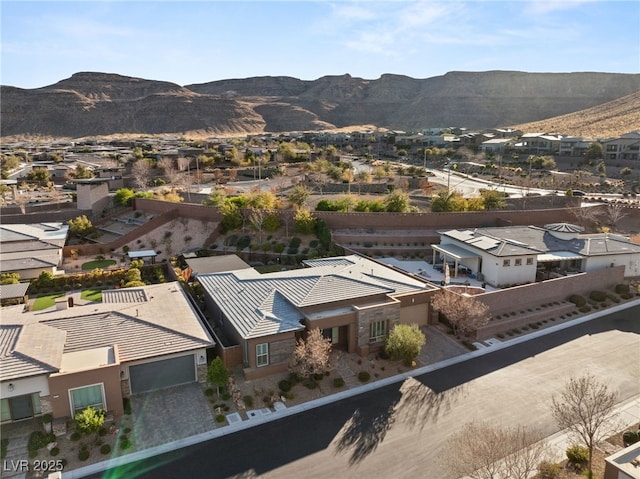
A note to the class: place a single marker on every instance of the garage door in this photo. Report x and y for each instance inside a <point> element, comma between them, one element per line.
<point>162,374</point>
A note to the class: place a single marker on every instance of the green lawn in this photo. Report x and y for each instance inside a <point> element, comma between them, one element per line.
<point>98,264</point>
<point>94,295</point>
<point>44,302</point>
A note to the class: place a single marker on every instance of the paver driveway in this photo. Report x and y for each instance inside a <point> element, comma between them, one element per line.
<point>169,414</point>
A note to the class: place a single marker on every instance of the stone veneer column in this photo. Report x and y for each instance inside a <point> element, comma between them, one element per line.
<point>388,312</point>
<point>126,388</point>
<point>45,404</point>
<point>202,373</point>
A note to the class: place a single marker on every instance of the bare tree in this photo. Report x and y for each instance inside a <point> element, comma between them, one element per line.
<point>141,173</point>
<point>585,215</point>
<point>614,214</point>
<point>481,450</point>
<point>311,356</point>
<point>171,173</point>
<point>585,408</point>
<point>21,201</point>
<point>464,313</point>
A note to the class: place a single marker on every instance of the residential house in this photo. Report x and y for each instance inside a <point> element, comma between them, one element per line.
<point>627,147</point>
<point>30,249</point>
<point>573,146</point>
<point>538,144</point>
<point>495,145</point>
<point>354,301</point>
<point>60,361</point>
<point>524,254</point>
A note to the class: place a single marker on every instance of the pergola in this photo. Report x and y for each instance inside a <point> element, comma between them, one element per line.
<point>451,251</point>
<point>143,254</point>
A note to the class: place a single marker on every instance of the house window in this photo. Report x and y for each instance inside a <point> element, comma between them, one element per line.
<point>262,354</point>
<point>518,262</point>
<point>529,261</point>
<point>82,398</point>
<point>506,263</point>
<point>378,330</point>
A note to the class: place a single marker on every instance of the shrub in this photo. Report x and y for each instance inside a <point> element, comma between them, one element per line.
<point>585,309</point>
<point>127,406</point>
<point>338,382</point>
<point>243,242</point>
<point>364,376</point>
<point>220,418</point>
<point>125,443</point>
<point>105,449</point>
<point>75,436</point>
<point>630,437</point>
<point>47,418</point>
<point>578,300</point>
<point>55,451</point>
<point>310,383</point>
<point>318,377</point>
<point>225,396</point>
<point>208,392</point>
<point>614,298</point>
<point>622,288</point>
<point>248,400</point>
<point>284,385</point>
<point>578,455</point>
<point>626,295</point>
<point>102,432</point>
<point>598,296</point>
<point>84,454</point>
<point>549,470</point>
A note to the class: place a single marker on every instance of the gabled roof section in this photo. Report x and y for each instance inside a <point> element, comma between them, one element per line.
<point>29,350</point>
<point>164,323</point>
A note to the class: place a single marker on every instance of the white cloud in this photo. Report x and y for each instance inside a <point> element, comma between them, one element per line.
<point>543,7</point>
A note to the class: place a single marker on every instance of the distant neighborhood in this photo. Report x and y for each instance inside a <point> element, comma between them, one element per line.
<point>129,265</point>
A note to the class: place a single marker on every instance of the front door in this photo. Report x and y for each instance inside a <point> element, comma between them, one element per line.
<point>21,407</point>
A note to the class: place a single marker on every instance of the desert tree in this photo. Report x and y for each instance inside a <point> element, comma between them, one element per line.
<point>585,215</point>
<point>311,355</point>
<point>298,196</point>
<point>141,173</point>
<point>404,342</point>
<point>614,214</point>
<point>362,176</point>
<point>171,173</point>
<point>217,374</point>
<point>81,226</point>
<point>481,450</point>
<point>464,313</point>
<point>585,408</point>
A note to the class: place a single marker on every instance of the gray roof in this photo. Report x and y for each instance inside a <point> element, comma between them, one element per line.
<point>523,240</point>
<point>263,304</point>
<point>164,323</point>
<point>216,264</point>
<point>21,264</point>
<point>17,290</point>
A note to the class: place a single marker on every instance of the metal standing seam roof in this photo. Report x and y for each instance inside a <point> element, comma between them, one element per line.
<point>259,305</point>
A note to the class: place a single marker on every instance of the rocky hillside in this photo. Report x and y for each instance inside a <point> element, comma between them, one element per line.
<point>102,104</point>
<point>603,121</point>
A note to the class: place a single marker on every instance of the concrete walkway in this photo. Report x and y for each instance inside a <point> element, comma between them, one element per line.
<point>629,411</point>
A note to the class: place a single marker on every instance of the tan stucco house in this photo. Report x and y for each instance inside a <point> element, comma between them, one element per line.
<point>62,360</point>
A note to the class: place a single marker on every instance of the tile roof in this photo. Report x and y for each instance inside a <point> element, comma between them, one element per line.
<point>163,323</point>
<point>29,349</point>
<point>17,290</point>
<point>262,304</point>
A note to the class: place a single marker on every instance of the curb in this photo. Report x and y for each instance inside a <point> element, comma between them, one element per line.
<point>232,428</point>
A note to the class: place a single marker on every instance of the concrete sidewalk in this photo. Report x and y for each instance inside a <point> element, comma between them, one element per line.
<point>628,410</point>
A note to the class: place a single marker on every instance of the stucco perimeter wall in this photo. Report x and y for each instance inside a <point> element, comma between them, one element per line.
<point>184,210</point>
<point>435,221</point>
<point>516,298</point>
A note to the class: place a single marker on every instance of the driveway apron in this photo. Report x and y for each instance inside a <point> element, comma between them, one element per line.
<point>169,414</point>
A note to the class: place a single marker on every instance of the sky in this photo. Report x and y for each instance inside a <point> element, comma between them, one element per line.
<point>202,41</point>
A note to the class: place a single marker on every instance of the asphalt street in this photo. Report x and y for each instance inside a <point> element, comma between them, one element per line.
<point>400,430</point>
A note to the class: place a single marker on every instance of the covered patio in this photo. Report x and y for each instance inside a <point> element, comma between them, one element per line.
<point>459,256</point>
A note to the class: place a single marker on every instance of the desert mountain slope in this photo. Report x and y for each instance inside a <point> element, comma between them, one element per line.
<point>607,120</point>
<point>103,104</point>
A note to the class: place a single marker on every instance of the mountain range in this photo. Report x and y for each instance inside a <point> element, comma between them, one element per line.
<point>100,104</point>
